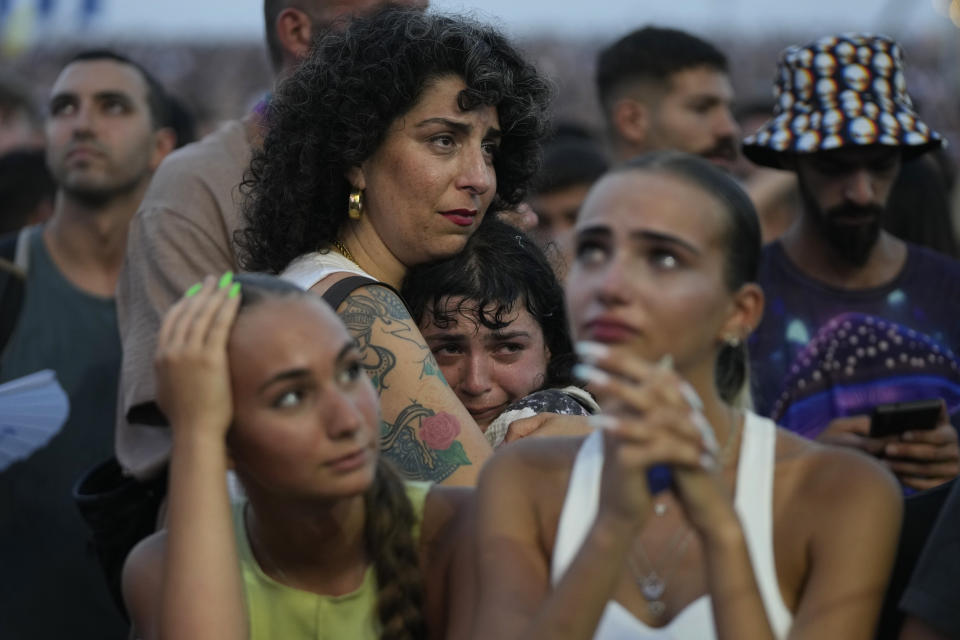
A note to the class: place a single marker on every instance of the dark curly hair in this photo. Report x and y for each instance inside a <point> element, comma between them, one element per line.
<point>335,110</point>
<point>390,518</point>
<point>498,267</point>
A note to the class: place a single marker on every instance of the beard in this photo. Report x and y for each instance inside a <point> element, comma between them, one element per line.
<point>850,230</point>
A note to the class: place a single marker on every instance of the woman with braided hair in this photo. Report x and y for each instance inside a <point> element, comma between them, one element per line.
<point>330,541</point>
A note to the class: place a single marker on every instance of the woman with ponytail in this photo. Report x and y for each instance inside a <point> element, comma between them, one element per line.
<point>330,542</point>
<point>683,515</point>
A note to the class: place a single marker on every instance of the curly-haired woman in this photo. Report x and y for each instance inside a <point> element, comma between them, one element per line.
<point>330,542</point>
<point>386,149</point>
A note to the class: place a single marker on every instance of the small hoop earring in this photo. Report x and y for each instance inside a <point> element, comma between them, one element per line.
<point>355,204</point>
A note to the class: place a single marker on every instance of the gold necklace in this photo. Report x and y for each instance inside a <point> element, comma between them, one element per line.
<point>342,250</point>
<point>653,583</point>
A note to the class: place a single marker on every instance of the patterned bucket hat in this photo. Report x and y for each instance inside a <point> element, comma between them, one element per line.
<point>840,91</point>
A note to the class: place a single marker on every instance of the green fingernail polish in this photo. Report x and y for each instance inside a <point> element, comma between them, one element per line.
<point>192,291</point>
<point>234,290</point>
<point>225,280</point>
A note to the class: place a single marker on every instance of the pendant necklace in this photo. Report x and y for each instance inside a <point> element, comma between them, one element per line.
<point>653,583</point>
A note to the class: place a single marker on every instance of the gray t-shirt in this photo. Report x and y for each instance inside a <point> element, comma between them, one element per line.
<point>52,586</point>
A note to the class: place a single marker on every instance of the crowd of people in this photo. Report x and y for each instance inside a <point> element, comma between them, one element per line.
<point>397,355</point>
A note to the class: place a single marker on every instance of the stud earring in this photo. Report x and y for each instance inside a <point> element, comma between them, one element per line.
<point>732,341</point>
<point>355,204</point>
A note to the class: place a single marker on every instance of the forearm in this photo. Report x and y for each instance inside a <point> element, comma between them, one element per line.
<point>738,610</point>
<point>202,594</point>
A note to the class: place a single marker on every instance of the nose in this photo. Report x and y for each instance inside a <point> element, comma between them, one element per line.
<point>82,121</point>
<point>477,174</point>
<point>476,379</point>
<point>613,283</point>
<point>858,187</point>
<point>340,415</point>
<point>726,126</point>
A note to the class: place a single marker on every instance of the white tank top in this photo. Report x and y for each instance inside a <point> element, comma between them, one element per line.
<point>311,268</point>
<point>754,506</point>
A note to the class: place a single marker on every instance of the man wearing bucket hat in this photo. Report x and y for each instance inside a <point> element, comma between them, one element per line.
<point>855,317</point>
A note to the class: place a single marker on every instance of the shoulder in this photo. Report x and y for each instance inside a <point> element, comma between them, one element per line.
<point>541,466</point>
<point>841,484</point>
<point>142,581</point>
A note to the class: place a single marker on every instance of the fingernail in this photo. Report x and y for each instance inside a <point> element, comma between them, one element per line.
<point>225,280</point>
<point>666,362</point>
<point>591,351</point>
<point>601,421</point>
<point>708,462</point>
<point>706,432</point>
<point>192,291</point>
<point>589,373</point>
<point>891,450</point>
<point>234,290</point>
<point>691,396</point>
<point>906,435</point>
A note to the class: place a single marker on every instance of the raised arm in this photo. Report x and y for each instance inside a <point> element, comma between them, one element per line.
<point>199,592</point>
<point>426,431</point>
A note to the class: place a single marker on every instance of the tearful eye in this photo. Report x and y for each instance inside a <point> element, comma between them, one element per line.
<point>665,260</point>
<point>589,252</point>
<point>288,400</point>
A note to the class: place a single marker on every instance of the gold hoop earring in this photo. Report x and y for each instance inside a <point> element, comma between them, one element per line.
<point>355,204</point>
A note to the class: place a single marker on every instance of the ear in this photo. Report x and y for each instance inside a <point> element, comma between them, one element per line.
<point>164,141</point>
<point>294,31</point>
<point>356,178</point>
<point>746,311</point>
<point>631,119</point>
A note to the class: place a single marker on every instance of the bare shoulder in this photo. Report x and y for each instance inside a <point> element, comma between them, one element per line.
<point>142,582</point>
<point>833,479</point>
<point>535,461</point>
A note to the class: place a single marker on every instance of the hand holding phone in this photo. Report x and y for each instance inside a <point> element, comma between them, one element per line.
<point>898,417</point>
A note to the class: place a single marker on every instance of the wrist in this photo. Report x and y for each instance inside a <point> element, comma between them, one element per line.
<point>194,438</point>
<point>723,533</point>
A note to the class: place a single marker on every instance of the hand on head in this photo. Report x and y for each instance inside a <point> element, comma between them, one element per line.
<point>193,377</point>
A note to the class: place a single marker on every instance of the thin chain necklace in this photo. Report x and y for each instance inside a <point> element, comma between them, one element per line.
<point>342,250</point>
<point>653,583</point>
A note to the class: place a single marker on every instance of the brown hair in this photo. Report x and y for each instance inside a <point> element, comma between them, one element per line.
<point>390,520</point>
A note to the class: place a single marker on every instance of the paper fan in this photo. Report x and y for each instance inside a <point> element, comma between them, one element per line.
<point>32,410</point>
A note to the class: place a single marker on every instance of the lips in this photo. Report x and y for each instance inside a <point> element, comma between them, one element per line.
<point>608,330</point>
<point>349,462</point>
<point>460,217</point>
<point>487,413</point>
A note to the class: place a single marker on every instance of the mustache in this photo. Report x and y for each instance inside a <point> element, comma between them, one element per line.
<point>848,210</point>
<point>725,148</point>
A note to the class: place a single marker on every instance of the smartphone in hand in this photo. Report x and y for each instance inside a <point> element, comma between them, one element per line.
<point>897,417</point>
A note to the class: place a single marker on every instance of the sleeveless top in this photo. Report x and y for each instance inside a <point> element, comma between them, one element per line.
<point>311,268</point>
<point>278,611</point>
<point>754,506</point>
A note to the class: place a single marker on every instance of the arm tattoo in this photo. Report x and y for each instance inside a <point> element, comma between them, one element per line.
<point>422,444</point>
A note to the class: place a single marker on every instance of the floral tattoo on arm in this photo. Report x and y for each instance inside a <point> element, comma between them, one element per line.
<point>420,442</point>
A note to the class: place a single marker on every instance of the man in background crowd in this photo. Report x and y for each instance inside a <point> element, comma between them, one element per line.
<point>105,137</point>
<point>855,317</point>
<point>666,89</point>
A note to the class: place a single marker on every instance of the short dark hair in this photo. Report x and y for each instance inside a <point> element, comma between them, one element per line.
<point>157,100</point>
<point>25,182</point>
<point>498,268</point>
<point>570,159</point>
<point>742,244</point>
<point>652,54</point>
<point>335,110</point>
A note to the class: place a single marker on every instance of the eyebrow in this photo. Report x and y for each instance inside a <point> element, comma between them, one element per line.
<point>462,127</point>
<point>509,335</point>
<point>301,372</point>
<point>99,97</point>
<point>646,235</point>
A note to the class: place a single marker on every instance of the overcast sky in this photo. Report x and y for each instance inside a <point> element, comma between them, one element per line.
<point>242,18</point>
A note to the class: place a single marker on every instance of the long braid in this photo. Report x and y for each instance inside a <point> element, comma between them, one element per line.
<point>390,520</point>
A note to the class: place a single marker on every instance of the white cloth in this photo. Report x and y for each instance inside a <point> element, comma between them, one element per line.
<point>311,268</point>
<point>754,506</point>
